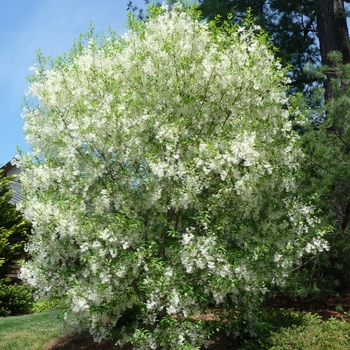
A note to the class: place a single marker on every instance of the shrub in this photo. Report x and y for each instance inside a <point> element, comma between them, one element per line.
<point>52,302</point>
<point>289,330</point>
<point>15,299</point>
<point>314,334</point>
<point>162,179</point>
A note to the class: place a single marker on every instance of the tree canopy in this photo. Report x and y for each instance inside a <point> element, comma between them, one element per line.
<point>162,179</point>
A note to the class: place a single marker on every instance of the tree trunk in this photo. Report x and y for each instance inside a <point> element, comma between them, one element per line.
<point>333,34</point>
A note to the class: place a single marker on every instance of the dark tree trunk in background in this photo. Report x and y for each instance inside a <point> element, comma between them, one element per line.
<point>333,34</point>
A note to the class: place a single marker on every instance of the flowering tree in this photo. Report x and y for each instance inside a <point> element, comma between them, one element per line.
<point>161,180</point>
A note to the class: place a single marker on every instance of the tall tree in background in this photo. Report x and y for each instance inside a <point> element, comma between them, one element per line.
<point>304,31</point>
<point>333,35</point>
<point>290,24</point>
<point>328,146</point>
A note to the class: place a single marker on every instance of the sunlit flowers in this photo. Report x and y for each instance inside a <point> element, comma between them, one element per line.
<point>161,179</point>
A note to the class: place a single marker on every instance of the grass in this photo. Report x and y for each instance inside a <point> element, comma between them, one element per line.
<point>29,332</point>
<point>281,330</point>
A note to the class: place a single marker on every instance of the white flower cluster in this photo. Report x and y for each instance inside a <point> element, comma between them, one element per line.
<point>161,178</point>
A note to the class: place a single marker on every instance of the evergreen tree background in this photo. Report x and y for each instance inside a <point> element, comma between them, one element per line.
<point>326,174</point>
<point>291,25</point>
<point>13,228</point>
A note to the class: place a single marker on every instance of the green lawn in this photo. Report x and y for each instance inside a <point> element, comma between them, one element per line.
<point>28,332</point>
<point>283,330</point>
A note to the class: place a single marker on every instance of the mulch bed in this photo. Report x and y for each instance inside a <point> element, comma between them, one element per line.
<point>326,309</point>
<point>329,307</point>
<point>81,341</point>
<point>84,341</point>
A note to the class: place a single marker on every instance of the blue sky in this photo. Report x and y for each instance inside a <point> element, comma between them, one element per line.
<point>52,26</point>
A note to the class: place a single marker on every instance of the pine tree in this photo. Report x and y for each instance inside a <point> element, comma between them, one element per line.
<point>333,36</point>
<point>304,31</point>
<point>291,25</point>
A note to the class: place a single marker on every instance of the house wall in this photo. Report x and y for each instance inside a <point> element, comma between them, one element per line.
<point>12,171</point>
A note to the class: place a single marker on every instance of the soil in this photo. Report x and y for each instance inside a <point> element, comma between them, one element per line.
<point>84,341</point>
<point>330,307</point>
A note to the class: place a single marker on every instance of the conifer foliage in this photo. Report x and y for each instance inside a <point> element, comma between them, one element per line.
<point>13,228</point>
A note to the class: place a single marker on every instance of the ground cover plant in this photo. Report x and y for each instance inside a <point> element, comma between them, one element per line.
<point>161,181</point>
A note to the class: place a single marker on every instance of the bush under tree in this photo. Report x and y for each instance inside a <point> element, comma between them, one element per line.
<point>15,299</point>
<point>162,180</point>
